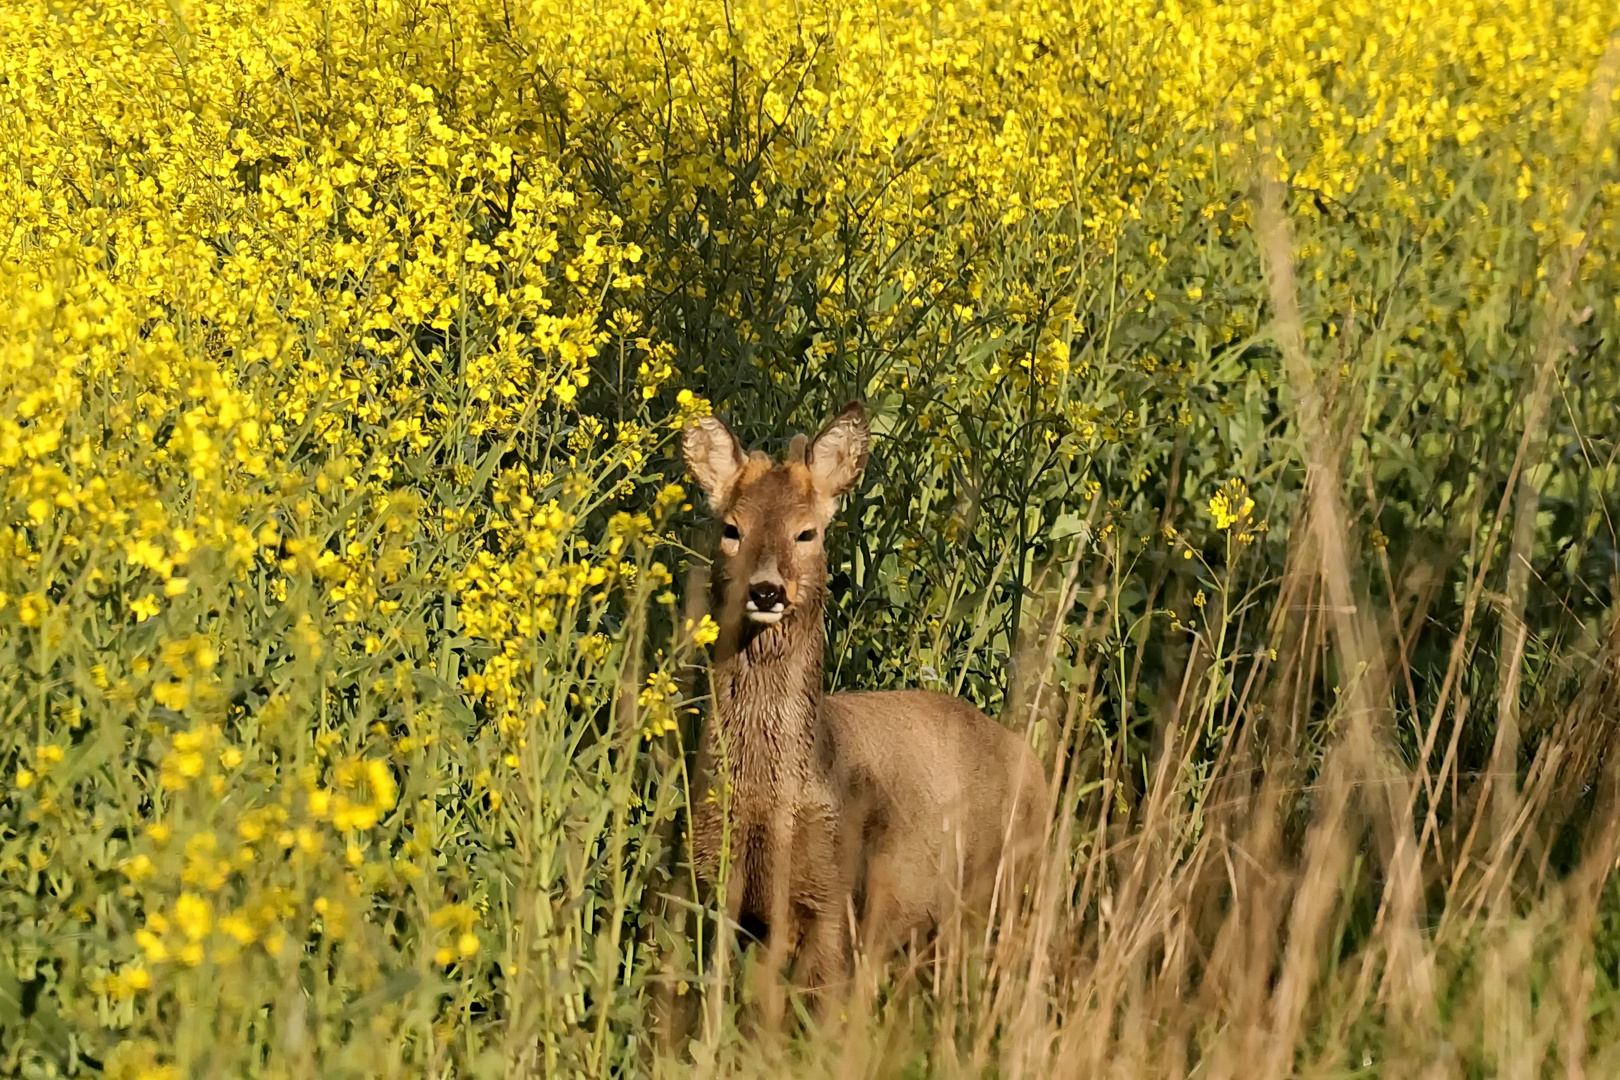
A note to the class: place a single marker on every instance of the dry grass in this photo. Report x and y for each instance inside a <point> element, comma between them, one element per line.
<point>1272,921</point>
<point>1302,908</point>
<point>1275,917</point>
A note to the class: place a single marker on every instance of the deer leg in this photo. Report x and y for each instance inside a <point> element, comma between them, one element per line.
<point>783,931</point>
<point>881,914</point>
<point>822,897</point>
<point>822,965</point>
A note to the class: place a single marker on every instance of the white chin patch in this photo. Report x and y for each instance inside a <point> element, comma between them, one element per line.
<point>765,618</point>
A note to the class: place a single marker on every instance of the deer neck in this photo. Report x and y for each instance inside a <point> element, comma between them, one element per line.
<point>768,691</point>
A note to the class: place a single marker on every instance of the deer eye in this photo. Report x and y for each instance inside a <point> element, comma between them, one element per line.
<point>731,532</point>
<point>807,536</point>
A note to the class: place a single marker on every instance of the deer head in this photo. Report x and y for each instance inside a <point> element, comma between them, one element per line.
<point>772,563</point>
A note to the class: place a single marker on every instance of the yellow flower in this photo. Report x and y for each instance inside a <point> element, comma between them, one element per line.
<point>707,631</point>
<point>124,984</point>
<point>151,945</point>
<point>238,928</point>
<point>31,609</point>
<point>1230,505</point>
<point>194,915</point>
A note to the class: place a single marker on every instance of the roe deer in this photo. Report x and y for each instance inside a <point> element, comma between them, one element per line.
<point>888,806</point>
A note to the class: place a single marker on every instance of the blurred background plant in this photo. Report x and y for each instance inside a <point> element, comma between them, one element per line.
<point>352,642</point>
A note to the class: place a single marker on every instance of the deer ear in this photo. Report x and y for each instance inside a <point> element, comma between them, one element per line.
<point>714,458</point>
<point>838,455</point>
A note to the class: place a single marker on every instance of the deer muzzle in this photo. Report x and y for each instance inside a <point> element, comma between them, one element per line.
<point>767,602</point>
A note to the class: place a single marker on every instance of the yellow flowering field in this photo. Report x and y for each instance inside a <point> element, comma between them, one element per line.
<point>351,656</point>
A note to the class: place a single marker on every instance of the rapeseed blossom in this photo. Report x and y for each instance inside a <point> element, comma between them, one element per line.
<point>1230,505</point>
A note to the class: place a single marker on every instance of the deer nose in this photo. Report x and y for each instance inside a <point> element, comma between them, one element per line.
<point>766,596</point>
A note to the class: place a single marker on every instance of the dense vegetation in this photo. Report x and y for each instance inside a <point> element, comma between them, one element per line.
<point>1245,378</point>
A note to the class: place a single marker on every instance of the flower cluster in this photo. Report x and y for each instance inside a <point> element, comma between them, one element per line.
<point>1230,505</point>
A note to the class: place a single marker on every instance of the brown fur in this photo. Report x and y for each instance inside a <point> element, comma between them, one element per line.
<point>884,806</point>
